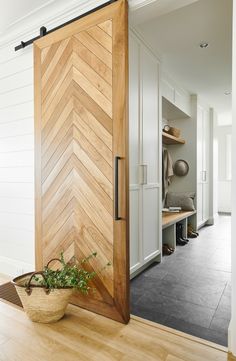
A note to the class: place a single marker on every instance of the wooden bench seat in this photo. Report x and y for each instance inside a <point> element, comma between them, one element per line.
<point>170,218</point>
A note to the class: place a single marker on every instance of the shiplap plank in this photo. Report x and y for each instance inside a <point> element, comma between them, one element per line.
<point>8,53</point>
<point>14,81</point>
<point>17,159</point>
<point>16,65</point>
<point>17,205</point>
<point>17,221</point>
<point>16,190</point>
<point>12,144</point>
<point>9,234</point>
<point>12,244</point>
<point>17,96</point>
<point>18,111</point>
<point>19,127</point>
<point>19,174</point>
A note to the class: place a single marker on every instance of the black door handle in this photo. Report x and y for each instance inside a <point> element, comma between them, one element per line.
<point>116,185</point>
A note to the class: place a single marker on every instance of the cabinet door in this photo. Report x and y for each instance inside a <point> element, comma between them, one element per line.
<point>81,77</point>
<point>134,153</point>
<point>150,140</point>
<point>199,204</point>
<point>200,117</point>
<point>168,91</point>
<point>206,146</point>
<point>206,202</point>
<point>206,168</point>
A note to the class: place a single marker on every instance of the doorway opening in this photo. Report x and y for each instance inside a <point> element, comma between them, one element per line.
<point>180,166</point>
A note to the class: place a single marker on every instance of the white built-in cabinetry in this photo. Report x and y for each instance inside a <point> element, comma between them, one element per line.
<point>177,98</point>
<point>145,175</point>
<point>181,110</point>
<point>203,164</point>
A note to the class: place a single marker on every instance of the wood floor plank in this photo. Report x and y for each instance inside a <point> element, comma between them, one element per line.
<point>84,336</point>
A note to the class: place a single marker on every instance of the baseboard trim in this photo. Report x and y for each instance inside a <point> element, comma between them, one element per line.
<point>157,258</point>
<point>12,267</point>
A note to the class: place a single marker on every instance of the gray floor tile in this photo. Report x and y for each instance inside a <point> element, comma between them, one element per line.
<point>190,290</point>
<point>155,272</point>
<point>219,337</point>
<point>203,296</point>
<point>220,324</point>
<point>149,314</point>
<point>190,312</point>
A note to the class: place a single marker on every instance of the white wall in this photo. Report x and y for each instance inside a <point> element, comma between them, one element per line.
<point>224,184</point>
<point>16,160</point>
<point>17,136</point>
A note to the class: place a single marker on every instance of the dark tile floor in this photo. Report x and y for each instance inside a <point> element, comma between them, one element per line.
<point>190,290</point>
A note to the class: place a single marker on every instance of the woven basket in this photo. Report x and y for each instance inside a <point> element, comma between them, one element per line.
<point>41,304</point>
<point>175,132</point>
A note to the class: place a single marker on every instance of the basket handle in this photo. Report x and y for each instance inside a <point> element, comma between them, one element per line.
<point>53,259</point>
<point>28,288</point>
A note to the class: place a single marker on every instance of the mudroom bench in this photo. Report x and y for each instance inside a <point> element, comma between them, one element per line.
<point>169,221</point>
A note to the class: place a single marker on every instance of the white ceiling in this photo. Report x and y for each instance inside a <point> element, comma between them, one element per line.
<point>144,10</point>
<point>176,37</point>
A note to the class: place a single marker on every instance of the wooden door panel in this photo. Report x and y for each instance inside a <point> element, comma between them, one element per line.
<point>81,126</point>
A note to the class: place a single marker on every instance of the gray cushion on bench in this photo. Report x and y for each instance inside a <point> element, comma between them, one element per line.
<point>183,200</point>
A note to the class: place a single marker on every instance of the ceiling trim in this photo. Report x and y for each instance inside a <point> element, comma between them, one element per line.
<point>23,18</point>
<point>137,4</point>
<point>29,26</point>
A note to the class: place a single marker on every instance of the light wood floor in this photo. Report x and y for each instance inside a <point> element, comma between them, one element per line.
<point>84,336</point>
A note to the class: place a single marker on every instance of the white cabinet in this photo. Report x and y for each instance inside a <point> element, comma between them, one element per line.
<point>176,96</point>
<point>144,155</point>
<point>203,166</point>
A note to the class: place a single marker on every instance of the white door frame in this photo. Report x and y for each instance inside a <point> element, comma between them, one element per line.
<point>232,328</point>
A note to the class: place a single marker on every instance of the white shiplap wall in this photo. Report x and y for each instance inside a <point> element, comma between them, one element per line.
<point>17,135</point>
<point>16,161</point>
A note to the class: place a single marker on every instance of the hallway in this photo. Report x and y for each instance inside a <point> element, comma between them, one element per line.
<point>190,290</point>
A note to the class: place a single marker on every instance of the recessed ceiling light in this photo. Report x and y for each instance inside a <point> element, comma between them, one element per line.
<point>204,45</point>
<point>227,92</point>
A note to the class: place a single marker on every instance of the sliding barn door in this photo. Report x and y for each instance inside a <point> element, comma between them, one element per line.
<point>81,152</point>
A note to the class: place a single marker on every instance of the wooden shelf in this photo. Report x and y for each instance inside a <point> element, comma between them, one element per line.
<point>170,139</point>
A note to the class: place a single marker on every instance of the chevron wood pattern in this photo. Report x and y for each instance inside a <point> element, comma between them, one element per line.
<point>78,126</point>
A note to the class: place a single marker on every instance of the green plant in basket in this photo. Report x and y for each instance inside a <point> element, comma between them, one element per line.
<point>70,275</point>
<point>45,294</point>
